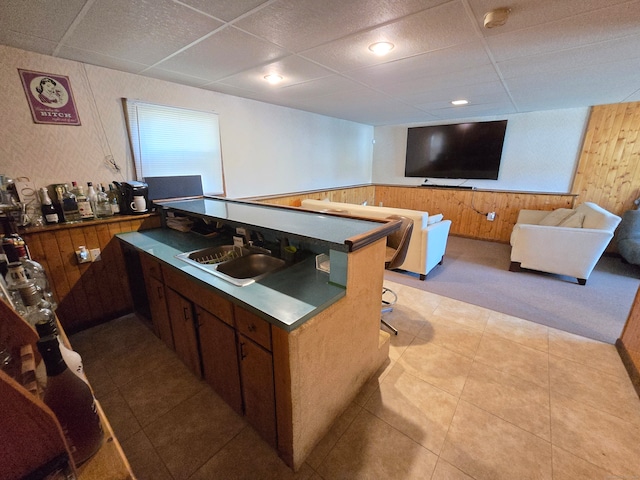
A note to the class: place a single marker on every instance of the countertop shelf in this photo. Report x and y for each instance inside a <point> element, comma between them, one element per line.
<point>336,231</point>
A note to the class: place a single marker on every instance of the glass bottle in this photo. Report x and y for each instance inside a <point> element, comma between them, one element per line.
<point>113,199</point>
<point>72,402</point>
<point>46,326</point>
<point>69,204</point>
<point>84,206</point>
<point>92,197</point>
<point>48,210</point>
<point>103,207</point>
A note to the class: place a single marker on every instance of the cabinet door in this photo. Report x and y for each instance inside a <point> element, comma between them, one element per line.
<point>220,357</point>
<point>159,313</point>
<point>184,330</point>
<point>256,372</point>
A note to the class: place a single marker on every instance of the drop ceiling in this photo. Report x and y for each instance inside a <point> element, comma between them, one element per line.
<point>551,54</point>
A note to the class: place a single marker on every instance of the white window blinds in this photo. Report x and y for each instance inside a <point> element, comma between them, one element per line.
<point>170,141</point>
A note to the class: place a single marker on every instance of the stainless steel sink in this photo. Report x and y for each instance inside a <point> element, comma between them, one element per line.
<point>255,265</point>
<point>236,265</point>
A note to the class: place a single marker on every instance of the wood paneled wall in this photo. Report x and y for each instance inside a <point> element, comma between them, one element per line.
<point>609,168</point>
<point>358,195</point>
<point>466,209</point>
<point>87,293</point>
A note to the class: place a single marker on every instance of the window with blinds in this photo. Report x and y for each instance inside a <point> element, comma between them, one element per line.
<point>170,141</point>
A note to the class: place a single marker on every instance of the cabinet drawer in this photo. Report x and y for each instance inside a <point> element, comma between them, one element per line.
<point>150,267</point>
<point>205,297</point>
<point>254,327</point>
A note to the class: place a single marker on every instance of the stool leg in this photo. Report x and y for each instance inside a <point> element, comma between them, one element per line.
<point>390,327</point>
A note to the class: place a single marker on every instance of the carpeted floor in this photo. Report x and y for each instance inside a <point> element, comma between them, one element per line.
<point>477,272</point>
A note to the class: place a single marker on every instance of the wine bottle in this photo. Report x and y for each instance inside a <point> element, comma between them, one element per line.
<point>48,210</point>
<point>72,402</point>
<point>46,326</point>
<point>69,204</point>
<point>83,203</point>
<point>92,198</point>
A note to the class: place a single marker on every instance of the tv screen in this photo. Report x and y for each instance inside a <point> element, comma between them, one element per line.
<point>463,150</point>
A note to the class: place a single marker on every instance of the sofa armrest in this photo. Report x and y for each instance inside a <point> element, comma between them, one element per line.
<point>434,243</point>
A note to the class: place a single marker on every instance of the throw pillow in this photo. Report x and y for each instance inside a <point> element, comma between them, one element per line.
<point>434,219</point>
<point>575,220</point>
<point>556,217</point>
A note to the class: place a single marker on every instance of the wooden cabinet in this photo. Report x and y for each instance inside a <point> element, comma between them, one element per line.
<point>220,358</point>
<point>183,326</point>
<point>159,313</point>
<point>256,373</point>
<point>226,344</point>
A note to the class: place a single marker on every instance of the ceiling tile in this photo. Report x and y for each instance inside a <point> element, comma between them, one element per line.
<point>622,50</point>
<point>139,30</point>
<point>43,20</point>
<point>217,56</point>
<point>93,58</point>
<point>570,87</point>
<point>581,30</point>
<point>434,29</point>
<point>301,24</point>
<point>415,69</point>
<point>226,10</point>
<point>293,69</point>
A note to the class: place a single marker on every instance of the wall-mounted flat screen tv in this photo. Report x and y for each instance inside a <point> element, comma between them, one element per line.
<point>464,150</point>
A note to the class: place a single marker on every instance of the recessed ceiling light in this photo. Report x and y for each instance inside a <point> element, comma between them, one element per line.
<point>381,48</point>
<point>460,102</point>
<point>273,78</point>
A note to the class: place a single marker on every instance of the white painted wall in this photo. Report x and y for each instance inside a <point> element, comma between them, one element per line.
<point>540,153</point>
<point>266,149</point>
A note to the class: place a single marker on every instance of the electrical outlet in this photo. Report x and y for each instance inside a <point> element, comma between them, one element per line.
<point>491,216</point>
<point>83,255</point>
<point>95,254</point>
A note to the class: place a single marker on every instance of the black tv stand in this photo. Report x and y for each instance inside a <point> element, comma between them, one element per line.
<point>463,187</point>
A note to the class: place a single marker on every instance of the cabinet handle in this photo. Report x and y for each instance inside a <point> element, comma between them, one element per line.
<point>251,327</point>
<point>242,354</point>
<point>185,310</point>
<point>160,293</point>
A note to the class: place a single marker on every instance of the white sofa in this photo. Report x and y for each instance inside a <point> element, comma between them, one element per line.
<point>428,240</point>
<point>564,241</point>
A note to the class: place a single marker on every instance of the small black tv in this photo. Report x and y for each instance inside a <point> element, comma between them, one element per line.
<point>463,150</point>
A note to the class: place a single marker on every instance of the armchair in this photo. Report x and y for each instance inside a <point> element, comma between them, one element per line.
<point>564,242</point>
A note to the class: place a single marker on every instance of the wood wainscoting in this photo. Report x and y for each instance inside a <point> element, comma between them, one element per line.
<point>466,209</point>
<point>87,293</point>
<point>357,194</point>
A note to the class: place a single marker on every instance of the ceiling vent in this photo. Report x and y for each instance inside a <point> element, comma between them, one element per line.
<point>496,18</point>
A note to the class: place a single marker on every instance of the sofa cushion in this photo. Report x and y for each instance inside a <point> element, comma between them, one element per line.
<point>575,220</point>
<point>556,217</point>
<point>434,219</point>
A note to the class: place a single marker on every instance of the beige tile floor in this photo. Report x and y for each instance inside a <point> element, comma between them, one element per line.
<point>467,394</point>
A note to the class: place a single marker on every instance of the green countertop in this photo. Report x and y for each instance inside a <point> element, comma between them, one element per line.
<point>286,298</point>
<point>339,232</point>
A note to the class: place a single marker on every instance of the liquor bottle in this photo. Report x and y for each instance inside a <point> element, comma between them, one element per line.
<point>69,204</point>
<point>83,203</point>
<point>92,197</point>
<point>48,210</point>
<point>114,195</point>
<point>45,326</point>
<point>103,207</point>
<point>72,402</point>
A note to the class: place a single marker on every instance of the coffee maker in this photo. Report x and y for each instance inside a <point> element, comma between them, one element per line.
<point>133,198</point>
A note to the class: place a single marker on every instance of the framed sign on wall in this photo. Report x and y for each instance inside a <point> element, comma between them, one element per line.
<point>50,98</point>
